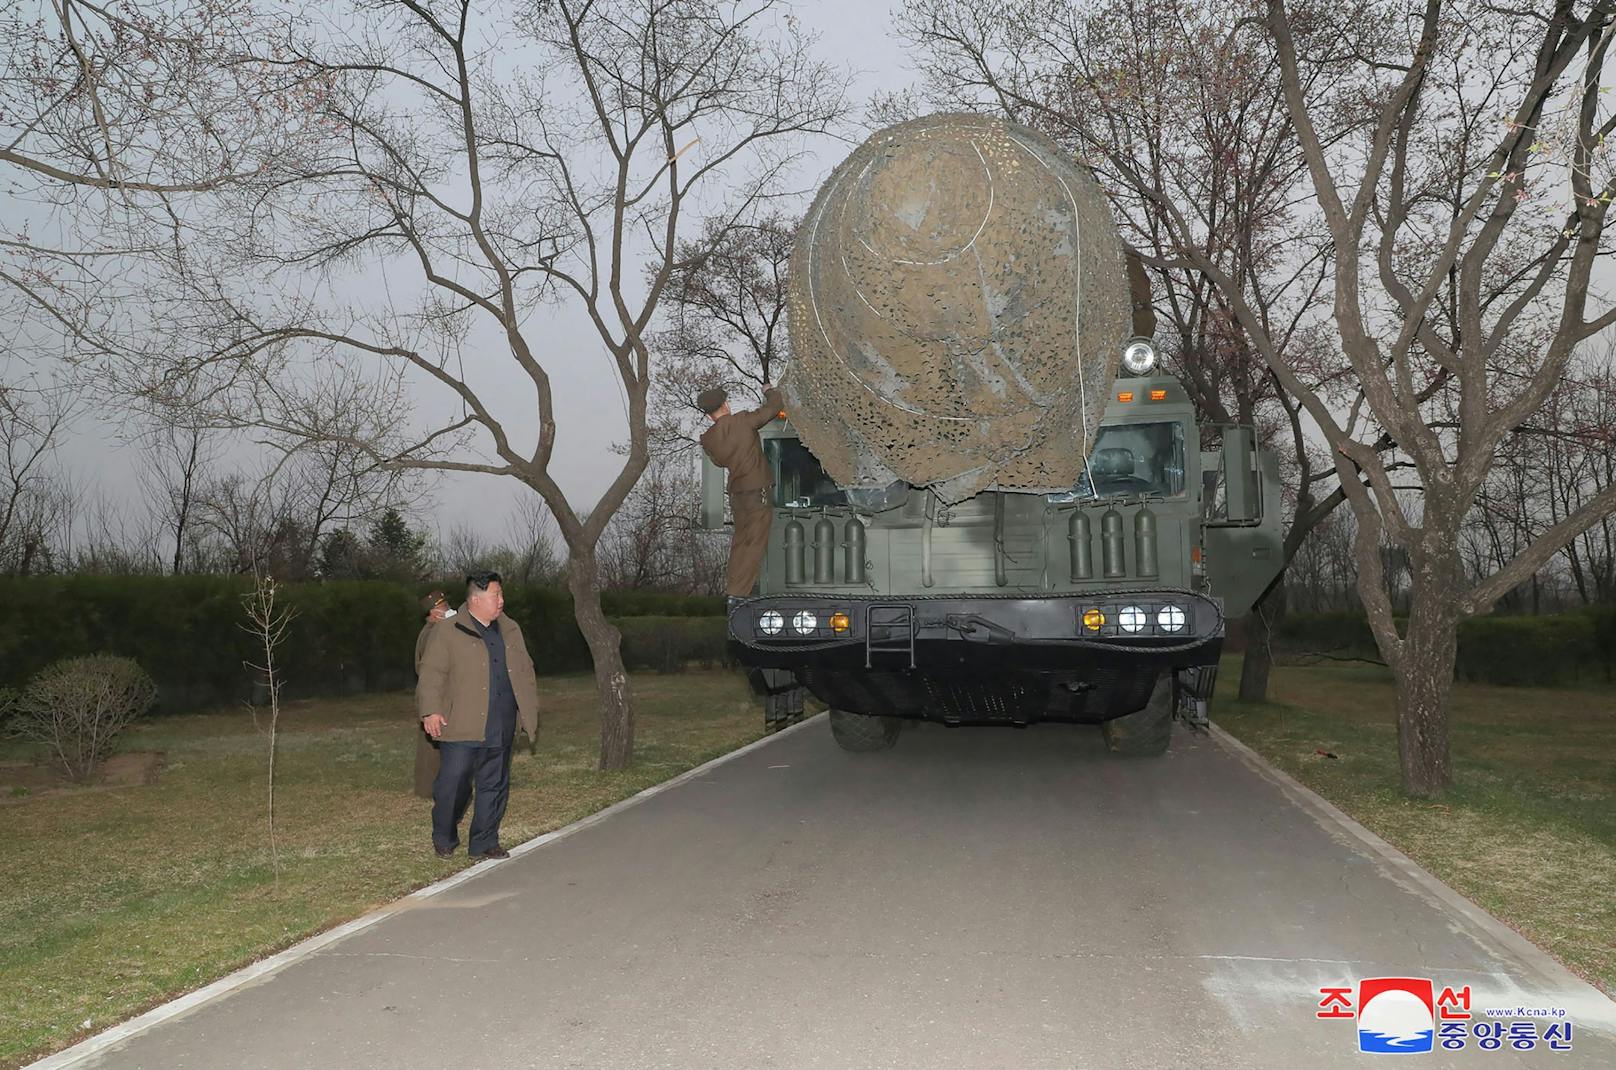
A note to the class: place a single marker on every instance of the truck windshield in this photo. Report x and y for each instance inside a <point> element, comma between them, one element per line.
<point>1131,460</point>
<point>800,483</point>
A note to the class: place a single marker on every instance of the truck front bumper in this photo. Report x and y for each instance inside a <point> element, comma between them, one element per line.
<point>979,658</point>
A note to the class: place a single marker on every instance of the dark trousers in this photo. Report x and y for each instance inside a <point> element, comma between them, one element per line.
<point>463,764</point>
<point>748,540</point>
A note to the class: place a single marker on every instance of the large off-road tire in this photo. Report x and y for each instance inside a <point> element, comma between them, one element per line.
<point>862,731</point>
<point>1144,733</point>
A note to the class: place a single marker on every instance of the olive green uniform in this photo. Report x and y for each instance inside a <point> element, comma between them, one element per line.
<point>732,443</point>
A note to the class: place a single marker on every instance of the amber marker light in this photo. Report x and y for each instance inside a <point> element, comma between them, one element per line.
<point>781,414</point>
<point>1093,619</point>
<point>839,622</point>
<point>1158,395</point>
<point>1126,395</point>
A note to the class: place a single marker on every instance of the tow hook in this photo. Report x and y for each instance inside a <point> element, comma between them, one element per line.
<point>967,624</point>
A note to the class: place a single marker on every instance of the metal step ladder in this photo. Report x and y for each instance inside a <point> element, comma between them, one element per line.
<point>889,631</point>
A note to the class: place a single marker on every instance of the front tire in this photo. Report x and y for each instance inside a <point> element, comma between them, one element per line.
<point>863,732</point>
<point>1144,733</point>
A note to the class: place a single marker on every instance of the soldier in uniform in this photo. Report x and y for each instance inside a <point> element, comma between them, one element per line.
<point>426,748</point>
<point>732,443</point>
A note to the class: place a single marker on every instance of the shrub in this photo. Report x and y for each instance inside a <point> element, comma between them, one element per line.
<point>350,635</point>
<point>77,708</point>
<point>669,644</point>
<point>1511,651</point>
<point>1327,631</point>
<point>1528,651</point>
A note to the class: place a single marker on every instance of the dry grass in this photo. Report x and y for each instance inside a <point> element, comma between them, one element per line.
<point>120,898</point>
<point>1529,829</point>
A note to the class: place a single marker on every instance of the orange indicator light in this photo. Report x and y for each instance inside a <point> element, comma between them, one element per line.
<point>1093,619</point>
<point>839,622</point>
<point>1126,395</point>
<point>1158,395</point>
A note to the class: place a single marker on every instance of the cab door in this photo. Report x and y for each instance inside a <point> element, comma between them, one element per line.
<point>1243,547</point>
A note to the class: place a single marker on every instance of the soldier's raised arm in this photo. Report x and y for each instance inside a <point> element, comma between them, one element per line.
<point>773,402</point>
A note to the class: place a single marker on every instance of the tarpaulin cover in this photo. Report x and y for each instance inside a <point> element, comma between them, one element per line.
<point>959,300</point>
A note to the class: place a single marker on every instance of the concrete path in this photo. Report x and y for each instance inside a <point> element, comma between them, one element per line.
<point>972,898</point>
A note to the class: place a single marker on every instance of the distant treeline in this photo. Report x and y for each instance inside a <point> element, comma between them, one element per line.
<point>348,636</point>
<point>1563,649</point>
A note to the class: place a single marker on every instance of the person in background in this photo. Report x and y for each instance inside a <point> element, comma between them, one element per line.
<point>732,443</point>
<point>477,685</point>
<point>426,748</point>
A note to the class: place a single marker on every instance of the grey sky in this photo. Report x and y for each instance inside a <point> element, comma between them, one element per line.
<point>589,400</point>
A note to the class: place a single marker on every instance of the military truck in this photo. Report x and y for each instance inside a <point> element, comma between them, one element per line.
<point>989,506</point>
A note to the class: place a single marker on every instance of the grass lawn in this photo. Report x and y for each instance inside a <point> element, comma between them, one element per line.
<point>119,898</point>
<point>1529,828</point>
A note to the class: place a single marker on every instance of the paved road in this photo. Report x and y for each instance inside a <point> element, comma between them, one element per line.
<point>970,899</point>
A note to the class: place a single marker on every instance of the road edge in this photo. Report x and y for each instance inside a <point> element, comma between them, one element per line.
<point>1329,814</point>
<point>180,1005</point>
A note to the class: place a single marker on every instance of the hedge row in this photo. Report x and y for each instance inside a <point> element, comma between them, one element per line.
<point>1513,651</point>
<point>349,636</point>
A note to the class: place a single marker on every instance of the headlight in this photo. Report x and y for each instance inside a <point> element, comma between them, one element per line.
<point>1139,357</point>
<point>1170,619</point>
<point>804,621</point>
<point>1132,619</point>
<point>771,623</point>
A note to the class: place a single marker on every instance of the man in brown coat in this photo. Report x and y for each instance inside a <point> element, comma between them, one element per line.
<point>426,748</point>
<point>477,685</point>
<point>732,443</point>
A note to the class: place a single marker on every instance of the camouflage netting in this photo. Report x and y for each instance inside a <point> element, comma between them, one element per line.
<point>959,300</point>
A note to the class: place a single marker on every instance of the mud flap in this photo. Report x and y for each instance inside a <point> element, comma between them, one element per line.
<point>1192,695</point>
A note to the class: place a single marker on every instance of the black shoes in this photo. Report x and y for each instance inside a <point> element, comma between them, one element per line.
<point>492,852</point>
<point>443,852</point>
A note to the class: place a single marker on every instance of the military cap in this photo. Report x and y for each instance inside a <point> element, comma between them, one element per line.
<point>712,399</point>
<point>431,600</point>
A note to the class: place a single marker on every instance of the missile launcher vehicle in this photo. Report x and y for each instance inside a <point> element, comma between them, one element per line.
<point>990,508</point>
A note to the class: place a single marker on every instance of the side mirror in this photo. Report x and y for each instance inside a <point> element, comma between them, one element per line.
<point>711,515</point>
<point>1231,489</point>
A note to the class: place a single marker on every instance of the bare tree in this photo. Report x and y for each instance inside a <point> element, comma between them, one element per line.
<point>268,624</point>
<point>529,557</point>
<point>653,541</point>
<point>727,305</point>
<point>1462,247</point>
<point>500,190</point>
<point>33,419</point>
<point>175,460</point>
<point>111,113</point>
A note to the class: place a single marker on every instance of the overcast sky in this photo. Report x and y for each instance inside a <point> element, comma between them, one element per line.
<point>589,399</point>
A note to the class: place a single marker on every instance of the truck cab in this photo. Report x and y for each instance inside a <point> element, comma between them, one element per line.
<point>1103,603</point>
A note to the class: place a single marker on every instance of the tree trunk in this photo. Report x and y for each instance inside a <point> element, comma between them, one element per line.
<point>606,650</point>
<point>1261,624</point>
<point>1425,681</point>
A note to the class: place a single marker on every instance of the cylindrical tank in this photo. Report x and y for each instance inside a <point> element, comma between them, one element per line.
<point>824,550</point>
<point>958,303</point>
<point>796,573</point>
<point>1111,545</point>
<point>1078,535</point>
<point>1144,544</point>
<point>853,551</point>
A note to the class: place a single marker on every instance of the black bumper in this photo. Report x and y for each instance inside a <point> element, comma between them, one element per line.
<point>975,659</point>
